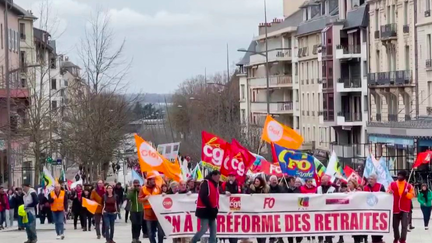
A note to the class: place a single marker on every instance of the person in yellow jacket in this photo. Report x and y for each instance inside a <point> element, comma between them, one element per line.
<point>59,203</point>
<point>149,216</point>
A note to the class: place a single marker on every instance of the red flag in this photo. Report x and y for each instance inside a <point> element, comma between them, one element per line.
<point>212,150</point>
<point>352,174</point>
<point>237,160</point>
<point>268,168</point>
<point>423,158</point>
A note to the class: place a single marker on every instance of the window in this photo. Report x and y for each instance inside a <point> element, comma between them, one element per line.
<point>1,29</point>
<point>22,58</point>
<point>23,82</point>
<point>377,20</point>
<point>429,46</point>
<point>429,93</point>
<point>65,83</point>
<point>243,115</point>
<point>388,14</point>
<point>54,104</point>
<point>296,69</point>
<point>428,5</point>
<point>407,58</point>
<point>378,64</point>
<point>308,102</point>
<point>365,68</point>
<point>405,13</point>
<point>365,101</point>
<point>10,40</point>
<point>54,83</point>
<point>313,102</point>
<point>22,31</point>
<point>53,63</point>
<point>242,90</point>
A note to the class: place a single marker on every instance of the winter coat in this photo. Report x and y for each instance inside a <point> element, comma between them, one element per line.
<point>4,202</point>
<point>256,190</point>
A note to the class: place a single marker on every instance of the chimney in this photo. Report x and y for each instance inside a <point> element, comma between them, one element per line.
<point>261,28</point>
<point>276,21</point>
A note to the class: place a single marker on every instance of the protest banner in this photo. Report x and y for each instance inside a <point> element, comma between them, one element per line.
<point>169,150</point>
<point>279,215</point>
<point>267,168</point>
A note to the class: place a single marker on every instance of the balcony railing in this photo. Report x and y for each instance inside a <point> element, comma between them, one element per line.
<point>273,81</point>
<point>328,115</point>
<point>390,78</point>
<point>349,49</point>
<point>350,116</point>
<point>388,31</point>
<point>354,82</point>
<point>275,106</point>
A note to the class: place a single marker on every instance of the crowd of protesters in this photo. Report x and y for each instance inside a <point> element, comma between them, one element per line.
<point>54,207</point>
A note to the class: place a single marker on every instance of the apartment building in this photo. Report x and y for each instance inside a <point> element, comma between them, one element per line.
<point>253,75</point>
<point>316,15</point>
<point>19,92</point>
<point>394,97</point>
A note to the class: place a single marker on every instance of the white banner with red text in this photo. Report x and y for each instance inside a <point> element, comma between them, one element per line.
<point>280,215</point>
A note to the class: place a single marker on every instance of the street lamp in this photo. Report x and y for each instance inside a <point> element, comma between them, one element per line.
<point>266,57</point>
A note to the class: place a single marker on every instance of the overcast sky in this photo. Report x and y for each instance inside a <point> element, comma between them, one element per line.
<point>169,40</point>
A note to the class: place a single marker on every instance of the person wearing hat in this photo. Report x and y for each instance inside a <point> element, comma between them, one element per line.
<point>152,223</point>
<point>402,193</point>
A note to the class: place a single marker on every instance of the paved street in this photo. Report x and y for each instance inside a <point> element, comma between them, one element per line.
<point>46,233</point>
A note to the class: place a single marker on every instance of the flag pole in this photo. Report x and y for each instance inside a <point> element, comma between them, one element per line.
<point>412,170</point>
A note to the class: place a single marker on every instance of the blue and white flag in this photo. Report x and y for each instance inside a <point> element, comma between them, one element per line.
<point>136,176</point>
<point>369,168</point>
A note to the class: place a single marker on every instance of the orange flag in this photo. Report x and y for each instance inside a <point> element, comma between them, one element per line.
<point>90,205</point>
<point>274,132</point>
<point>151,160</point>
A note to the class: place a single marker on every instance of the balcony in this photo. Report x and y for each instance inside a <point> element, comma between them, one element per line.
<point>348,52</point>
<point>279,107</point>
<point>390,118</point>
<point>315,49</point>
<point>273,56</point>
<point>390,78</point>
<point>388,31</point>
<point>274,82</point>
<point>349,119</point>
<point>352,84</point>
<point>17,89</point>
<point>328,116</point>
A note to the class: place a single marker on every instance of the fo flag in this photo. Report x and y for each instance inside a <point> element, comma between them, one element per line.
<point>295,163</point>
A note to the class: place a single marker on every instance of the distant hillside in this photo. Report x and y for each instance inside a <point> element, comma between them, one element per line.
<point>149,98</point>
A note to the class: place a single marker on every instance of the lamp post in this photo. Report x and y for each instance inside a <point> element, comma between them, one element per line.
<point>265,54</point>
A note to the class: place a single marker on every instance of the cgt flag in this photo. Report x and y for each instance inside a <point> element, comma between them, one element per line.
<point>237,160</point>
<point>276,133</point>
<point>212,150</point>
<point>295,163</point>
<point>151,160</point>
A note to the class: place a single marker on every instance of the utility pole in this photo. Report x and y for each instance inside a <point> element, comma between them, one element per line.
<point>8,96</point>
<point>169,120</point>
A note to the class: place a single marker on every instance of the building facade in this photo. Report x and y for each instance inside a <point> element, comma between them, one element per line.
<point>19,92</point>
<point>393,80</point>
<point>253,74</point>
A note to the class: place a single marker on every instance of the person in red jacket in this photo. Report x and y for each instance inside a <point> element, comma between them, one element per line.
<point>374,186</point>
<point>402,192</point>
<point>308,187</point>
<point>4,205</point>
<point>208,206</point>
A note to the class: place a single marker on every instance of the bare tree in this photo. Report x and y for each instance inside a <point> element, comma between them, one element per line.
<point>96,121</point>
<point>209,104</point>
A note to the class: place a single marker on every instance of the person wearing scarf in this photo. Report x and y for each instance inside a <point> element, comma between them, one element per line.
<point>97,196</point>
<point>77,209</point>
<point>424,197</point>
